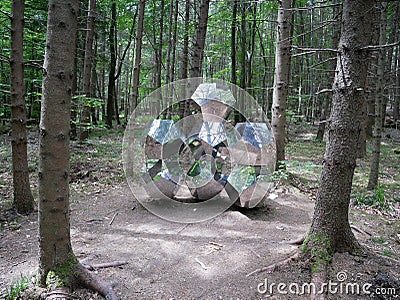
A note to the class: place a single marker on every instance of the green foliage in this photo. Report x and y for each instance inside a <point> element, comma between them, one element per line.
<point>88,101</point>
<point>388,253</point>
<point>280,174</point>
<point>378,239</point>
<point>301,166</point>
<point>376,199</point>
<point>17,286</point>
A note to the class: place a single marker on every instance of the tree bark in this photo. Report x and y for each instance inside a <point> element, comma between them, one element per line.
<point>281,79</point>
<point>56,257</point>
<point>87,69</point>
<point>327,97</point>
<point>199,39</point>
<point>113,63</point>
<point>233,42</point>
<point>369,120</point>
<point>138,55</point>
<point>397,95</point>
<point>376,146</point>
<point>390,68</point>
<point>169,43</point>
<point>330,230</point>
<point>174,41</point>
<point>23,200</point>
<point>185,48</point>
<point>54,225</point>
<point>243,51</point>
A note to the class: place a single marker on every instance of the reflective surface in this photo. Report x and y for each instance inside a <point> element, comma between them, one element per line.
<point>190,162</point>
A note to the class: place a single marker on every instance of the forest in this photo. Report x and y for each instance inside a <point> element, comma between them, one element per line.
<point>79,78</point>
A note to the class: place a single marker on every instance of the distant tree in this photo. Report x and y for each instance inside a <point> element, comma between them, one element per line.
<point>281,78</point>
<point>57,260</point>
<point>183,73</point>
<point>87,68</point>
<point>199,39</point>
<point>397,95</point>
<point>380,78</point>
<point>137,55</point>
<point>113,62</point>
<point>324,114</point>
<point>23,200</point>
<point>330,229</point>
<point>233,42</point>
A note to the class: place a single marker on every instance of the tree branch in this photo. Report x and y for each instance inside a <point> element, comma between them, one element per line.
<point>324,91</point>
<point>127,46</point>
<point>316,49</point>
<point>378,47</point>
<point>7,14</point>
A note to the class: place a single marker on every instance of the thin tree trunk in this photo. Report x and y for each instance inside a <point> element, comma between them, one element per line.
<point>113,62</point>
<point>138,54</point>
<point>199,39</point>
<point>376,146</point>
<point>87,69</point>
<point>243,51</point>
<point>74,102</point>
<point>281,79</point>
<point>330,230</point>
<point>94,110</point>
<point>252,46</point>
<point>169,44</point>
<point>397,95</point>
<point>233,42</point>
<point>389,68</point>
<point>174,41</point>
<point>185,48</point>
<point>183,105</point>
<point>160,45</point>
<point>327,97</point>
<point>23,200</point>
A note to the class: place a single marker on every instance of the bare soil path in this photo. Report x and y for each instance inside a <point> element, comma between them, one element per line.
<point>207,260</point>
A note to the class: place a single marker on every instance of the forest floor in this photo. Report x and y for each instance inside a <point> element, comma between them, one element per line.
<point>208,260</point>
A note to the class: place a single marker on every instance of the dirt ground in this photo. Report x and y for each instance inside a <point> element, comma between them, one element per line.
<point>208,260</point>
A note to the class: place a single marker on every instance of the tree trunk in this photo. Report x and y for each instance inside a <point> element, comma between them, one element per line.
<point>233,42</point>
<point>330,230</point>
<point>113,62</point>
<point>281,79</point>
<point>252,46</point>
<point>57,261</point>
<point>376,146</point>
<point>397,95</point>
<point>389,67</point>
<point>185,48</point>
<point>87,69</point>
<point>183,72</point>
<point>169,43</point>
<point>138,54</point>
<point>54,225</point>
<point>160,44</point>
<point>174,40</point>
<point>243,52</point>
<point>326,98</point>
<point>368,122</point>
<point>23,200</point>
<point>199,39</point>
